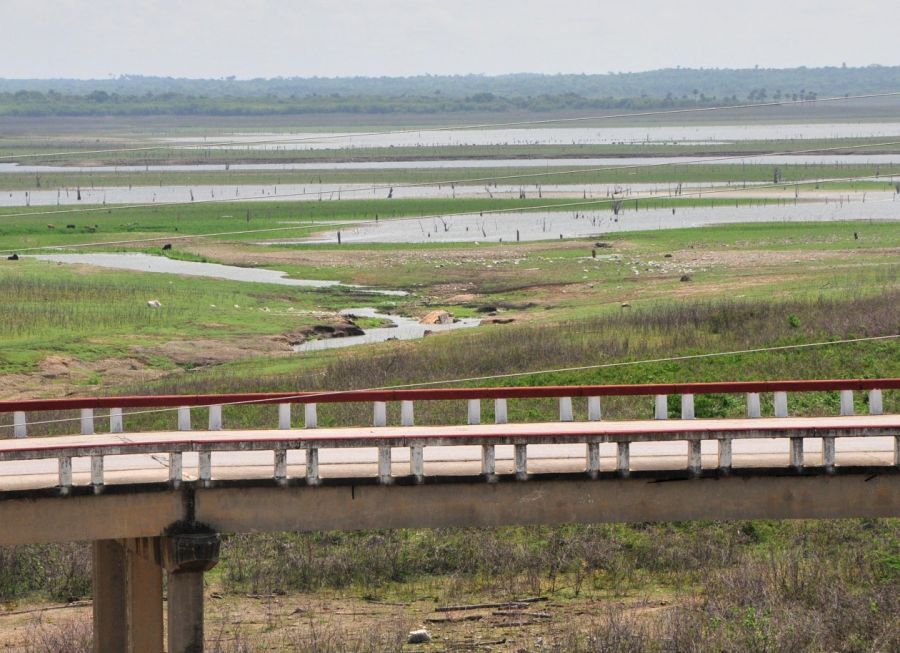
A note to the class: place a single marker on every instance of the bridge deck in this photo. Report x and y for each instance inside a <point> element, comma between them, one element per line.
<point>866,440</point>
<point>543,432</point>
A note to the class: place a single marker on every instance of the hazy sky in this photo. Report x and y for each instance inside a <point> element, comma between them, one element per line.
<point>270,38</point>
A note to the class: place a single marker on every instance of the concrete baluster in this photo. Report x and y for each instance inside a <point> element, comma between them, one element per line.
<point>407,415</point>
<point>593,459</point>
<point>725,455</point>
<point>205,468</point>
<point>662,407</point>
<point>781,406</point>
<point>311,420</point>
<point>215,418</point>
<point>594,412</point>
<point>20,428</point>
<point>474,411</point>
<point>687,406</point>
<point>65,474</point>
<point>695,461</point>
<point>846,402</point>
<point>521,461</point>
<point>379,413</point>
<point>489,462</point>
<point>623,458</point>
<point>284,417</point>
<point>797,454</point>
<point>417,462</point>
<point>875,402</point>
<point>87,421</point>
<point>97,473</point>
<point>175,468</point>
<point>828,454</point>
<point>384,466</point>
<point>115,420</point>
<point>753,407</point>
<point>500,415</point>
<point>565,409</point>
<point>281,476</point>
<point>184,419</point>
<point>312,466</point>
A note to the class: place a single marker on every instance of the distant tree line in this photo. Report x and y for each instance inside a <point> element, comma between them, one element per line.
<point>669,88</point>
<point>100,103</point>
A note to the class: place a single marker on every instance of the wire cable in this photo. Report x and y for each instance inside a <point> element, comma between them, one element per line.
<point>510,375</point>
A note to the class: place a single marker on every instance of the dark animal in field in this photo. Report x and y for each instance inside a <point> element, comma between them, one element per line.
<point>14,257</point>
<point>855,236</point>
<point>167,247</point>
<point>70,226</point>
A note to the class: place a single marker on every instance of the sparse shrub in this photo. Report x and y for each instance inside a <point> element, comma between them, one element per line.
<point>75,636</point>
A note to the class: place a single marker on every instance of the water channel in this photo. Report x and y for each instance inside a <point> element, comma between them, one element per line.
<point>148,263</point>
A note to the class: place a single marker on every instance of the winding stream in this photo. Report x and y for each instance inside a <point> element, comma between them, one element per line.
<point>404,328</point>
<point>149,263</point>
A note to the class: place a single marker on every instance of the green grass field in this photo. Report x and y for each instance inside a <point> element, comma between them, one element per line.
<point>527,176</point>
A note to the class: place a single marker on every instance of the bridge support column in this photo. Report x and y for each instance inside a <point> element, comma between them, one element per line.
<point>128,611</point>
<point>144,605</point>
<point>186,556</point>
<point>110,616</point>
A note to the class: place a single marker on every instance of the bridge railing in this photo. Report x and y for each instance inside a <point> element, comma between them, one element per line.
<point>473,396</point>
<point>416,439</point>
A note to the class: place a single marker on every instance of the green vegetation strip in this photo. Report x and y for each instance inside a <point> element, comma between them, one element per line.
<point>687,173</point>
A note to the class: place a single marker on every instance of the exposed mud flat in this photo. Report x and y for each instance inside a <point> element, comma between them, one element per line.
<point>404,328</point>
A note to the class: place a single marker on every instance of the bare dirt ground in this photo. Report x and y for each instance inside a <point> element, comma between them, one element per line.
<point>59,375</point>
<point>323,622</point>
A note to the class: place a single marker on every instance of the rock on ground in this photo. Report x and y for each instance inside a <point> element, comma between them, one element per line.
<point>418,637</point>
<point>437,317</point>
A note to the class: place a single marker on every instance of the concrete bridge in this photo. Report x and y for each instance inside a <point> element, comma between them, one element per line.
<point>156,502</point>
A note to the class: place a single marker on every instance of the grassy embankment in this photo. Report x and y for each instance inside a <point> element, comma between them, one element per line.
<point>751,286</point>
<point>50,303</point>
<point>61,309</point>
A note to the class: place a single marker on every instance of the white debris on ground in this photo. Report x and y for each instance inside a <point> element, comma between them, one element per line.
<point>418,637</point>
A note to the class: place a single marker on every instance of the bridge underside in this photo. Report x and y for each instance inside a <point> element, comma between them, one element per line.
<point>137,536</point>
<point>350,504</point>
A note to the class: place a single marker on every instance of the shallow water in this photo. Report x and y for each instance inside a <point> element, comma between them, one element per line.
<point>543,225</point>
<point>667,134</point>
<point>794,159</point>
<point>149,263</point>
<point>404,329</point>
<point>322,192</point>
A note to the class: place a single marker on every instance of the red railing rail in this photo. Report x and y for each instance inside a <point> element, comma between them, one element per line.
<point>437,394</point>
